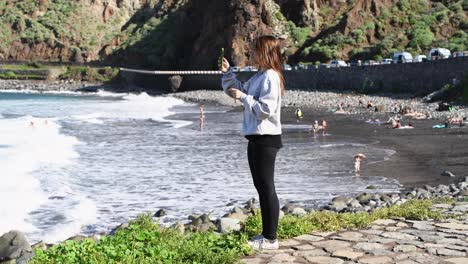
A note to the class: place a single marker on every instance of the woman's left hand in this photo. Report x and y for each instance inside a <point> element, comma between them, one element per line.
<point>235,93</point>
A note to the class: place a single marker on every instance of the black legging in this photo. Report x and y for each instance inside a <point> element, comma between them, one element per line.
<point>262,166</point>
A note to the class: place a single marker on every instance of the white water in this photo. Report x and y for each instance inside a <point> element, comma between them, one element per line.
<point>35,156</point>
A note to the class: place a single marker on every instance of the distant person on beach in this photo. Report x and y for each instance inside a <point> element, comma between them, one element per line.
<point>202,116</point>
<point>324,127</point>
<point>31,123</point>
<point>315,127</point>
<point>396,124</point>
<point>357,163</point>
<point>261,97</point>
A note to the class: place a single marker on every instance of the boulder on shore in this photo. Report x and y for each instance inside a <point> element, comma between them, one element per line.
<point>14,245</point>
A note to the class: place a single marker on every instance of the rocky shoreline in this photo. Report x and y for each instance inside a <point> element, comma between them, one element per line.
<point>14,247</point>
<point>54,86</point>
<point>329,101</point>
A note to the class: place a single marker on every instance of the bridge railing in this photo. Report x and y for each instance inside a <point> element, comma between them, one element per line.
<point>171,72</point>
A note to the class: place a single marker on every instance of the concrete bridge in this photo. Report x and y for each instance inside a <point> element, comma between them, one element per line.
<point>419,78</point>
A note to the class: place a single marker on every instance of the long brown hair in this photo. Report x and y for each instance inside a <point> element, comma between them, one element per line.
<point>268,55</point>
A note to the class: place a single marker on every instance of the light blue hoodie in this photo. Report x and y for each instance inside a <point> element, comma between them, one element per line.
<point>262,101</point>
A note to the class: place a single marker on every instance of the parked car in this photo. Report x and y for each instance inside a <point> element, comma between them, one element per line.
<point>287,67</point>
<point>338,63</point>
<point>386,61</point>
<point>236,68</point>
<point>439,53</point>
<point>324,66</point>
<point>370,63</point>
<point>459,54</point>
<point>355,63</point>
<point>300,67</point>
<point>402,57</point>
<point>420,58</point>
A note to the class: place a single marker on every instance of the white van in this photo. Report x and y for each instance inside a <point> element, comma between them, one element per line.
<point>439,53</point>
<point>402,57</point>
<point>338,63</point>
<point>420,58</point>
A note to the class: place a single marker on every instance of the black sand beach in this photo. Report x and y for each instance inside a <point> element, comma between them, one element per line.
<point>422,154</point>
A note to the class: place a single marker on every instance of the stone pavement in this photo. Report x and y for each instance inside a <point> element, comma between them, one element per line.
<point>385,241</point>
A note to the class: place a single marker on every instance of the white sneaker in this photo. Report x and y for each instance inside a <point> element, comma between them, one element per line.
<point>260,243</point>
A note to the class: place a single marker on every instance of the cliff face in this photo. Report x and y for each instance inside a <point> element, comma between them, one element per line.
<point>192,35</point>
<point>60,29</point>
<point>187,34</point>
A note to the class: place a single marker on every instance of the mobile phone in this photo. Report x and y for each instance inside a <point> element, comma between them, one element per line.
<point>221,59</point>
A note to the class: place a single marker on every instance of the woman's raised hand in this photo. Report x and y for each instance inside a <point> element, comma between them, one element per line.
<point>225,66</point>
<point>235,93</point>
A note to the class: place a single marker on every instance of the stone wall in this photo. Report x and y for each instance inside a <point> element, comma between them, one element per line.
<point>415,78</point>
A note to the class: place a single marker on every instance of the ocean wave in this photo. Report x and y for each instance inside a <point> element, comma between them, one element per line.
<point>33,144</point>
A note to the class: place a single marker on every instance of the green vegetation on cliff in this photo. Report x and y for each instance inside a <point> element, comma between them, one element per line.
<point>415,26</point>
<point>163,34</point>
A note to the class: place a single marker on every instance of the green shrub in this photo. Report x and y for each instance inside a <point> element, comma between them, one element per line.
<point>299,34</point>
<point>458,41</point>
<point>358,35</point>
<point>421,36</point>
<point>145,242</point>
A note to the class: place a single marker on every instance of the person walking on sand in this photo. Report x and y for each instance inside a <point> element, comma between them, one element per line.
<point>261,97</point>
<point>357,162</point>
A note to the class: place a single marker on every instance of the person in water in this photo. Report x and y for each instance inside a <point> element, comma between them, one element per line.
<point>324,127</point>
<point>315,127</point>
<point>261,98</point>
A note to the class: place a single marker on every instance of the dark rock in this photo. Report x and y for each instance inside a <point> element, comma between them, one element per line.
<point>160,213</point>
<point>205,227</point>
<point>288,208</point>
<point>443,106</point>
<point>13,245</point>
<point>193,217</point>
<point>175,82</point>
<point>338,204</point>
<point>237,210</point>
<point>24,259</point>
<point>205,218</point>
<point>197,222</point>
<point>77,238</point>
<point>364,198</point>
<point>39,245</point>
<point>121,226</point>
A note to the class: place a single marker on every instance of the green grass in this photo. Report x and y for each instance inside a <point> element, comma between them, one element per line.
<point>13,75</point>
<point>291,226</point>
<point>144,241</point>
<point>90,74</point>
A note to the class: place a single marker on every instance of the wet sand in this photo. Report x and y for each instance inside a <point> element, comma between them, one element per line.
<point>422,154</point>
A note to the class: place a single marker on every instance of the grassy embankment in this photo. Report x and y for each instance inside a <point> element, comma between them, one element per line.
<point>30,71</point>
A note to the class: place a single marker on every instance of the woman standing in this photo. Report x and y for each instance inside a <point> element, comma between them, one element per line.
<point>261,97</point>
